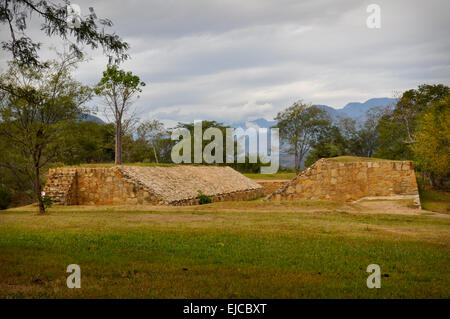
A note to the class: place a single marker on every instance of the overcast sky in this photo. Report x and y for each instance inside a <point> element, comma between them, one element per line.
<point>237,60</point>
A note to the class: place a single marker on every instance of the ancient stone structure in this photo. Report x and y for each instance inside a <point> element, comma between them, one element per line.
<point>171,185</point>
<point>350,181</point>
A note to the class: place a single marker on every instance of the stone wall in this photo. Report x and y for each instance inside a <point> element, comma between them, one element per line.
<point>61,186</point>
<point>95,186</point>
<point>108,186</point>
<point>351,181</point>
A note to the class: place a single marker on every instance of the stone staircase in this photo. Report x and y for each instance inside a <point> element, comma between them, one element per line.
<point>60,186</point>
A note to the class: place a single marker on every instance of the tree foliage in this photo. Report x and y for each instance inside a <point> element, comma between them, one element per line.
<point>329,143</point>
<point>397,126</point>
<point>432,141</point>
<point>87,142</point>
<point>413,103</point>
<point>118,90</point>
<point>300,126</point>
<point>35,105</point>
<point>54,22</point>
<point>153,135</point>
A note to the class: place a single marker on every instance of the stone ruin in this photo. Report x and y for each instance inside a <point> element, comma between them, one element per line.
<point>328,179</point>
<point>156,185</point>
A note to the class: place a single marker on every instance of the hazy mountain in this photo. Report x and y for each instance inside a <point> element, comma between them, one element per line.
<point>253,123</point>
<point>354,110</point>
<point>358,110</point>
<point>332,111</point>
<point>91,118</point>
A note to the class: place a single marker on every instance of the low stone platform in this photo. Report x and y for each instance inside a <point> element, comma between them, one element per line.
<point>158,185</point>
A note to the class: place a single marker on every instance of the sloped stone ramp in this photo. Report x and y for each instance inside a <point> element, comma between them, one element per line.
<point>352,181</point>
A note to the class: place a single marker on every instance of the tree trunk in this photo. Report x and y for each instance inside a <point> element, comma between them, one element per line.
<point>300,159</point>
<point>154,151</point>
<point>118,146</point>
<point>38,190</point>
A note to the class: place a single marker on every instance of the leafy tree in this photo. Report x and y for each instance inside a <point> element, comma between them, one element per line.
<point>87,142</point>
<point>55,21</point>
<point>329,143</point>
<point>397,126</point>
<point>35,104</point>
<point>367,135</point>
<point>432,142</point>
<point>391,139</point>
<point>5,198</point>
<point>205,126</point>
<point>300,125</point>
<point>246,166</point>
<point>413,103</point>
<point>152,133</point>
<point>15,183</point>
<point>119,89</point>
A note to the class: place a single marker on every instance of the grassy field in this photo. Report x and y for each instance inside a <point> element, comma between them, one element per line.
<point>248,249</point>
<point>108,165</point>
<point>277,176</point>
<point>347,159</point>
<point>432,199</point>
<point>438,201</point>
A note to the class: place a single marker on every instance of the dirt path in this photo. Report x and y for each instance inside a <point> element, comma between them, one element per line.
<point>400,207</point>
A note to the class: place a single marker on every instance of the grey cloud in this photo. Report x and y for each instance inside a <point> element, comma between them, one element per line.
<point>235,60</point>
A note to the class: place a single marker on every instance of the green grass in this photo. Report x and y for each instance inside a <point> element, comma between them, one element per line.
<point>347,159</point>
<point>215,253</point>
<point>124,164</point>
<point>434,200</point>
<point>281,175</point>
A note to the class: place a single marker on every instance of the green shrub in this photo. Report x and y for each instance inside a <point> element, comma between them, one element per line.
<point>48,202</point>
<point>5,198</point>
<point>203,199</point>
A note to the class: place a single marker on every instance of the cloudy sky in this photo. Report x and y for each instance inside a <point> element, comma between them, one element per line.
<point>237,60</point>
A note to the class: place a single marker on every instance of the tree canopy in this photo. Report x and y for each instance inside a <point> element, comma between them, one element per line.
<point>300,126</point>
<point>118,89</point>
<point>35,105</point>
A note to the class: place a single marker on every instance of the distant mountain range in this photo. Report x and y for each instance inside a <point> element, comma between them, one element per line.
<point>91,118</point>
<point>354,110</point>
<point>357,110</point>
<point>263,123</point>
